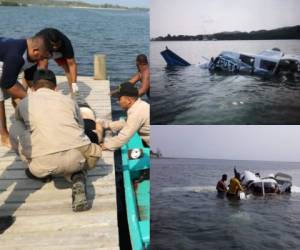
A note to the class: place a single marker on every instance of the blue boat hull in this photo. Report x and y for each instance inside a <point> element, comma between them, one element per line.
<point>173,59</point>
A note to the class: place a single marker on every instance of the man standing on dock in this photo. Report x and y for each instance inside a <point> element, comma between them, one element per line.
<point>62,53</point>
<point>143,75</point>
<point>138,118</point>
<point>17,55</point>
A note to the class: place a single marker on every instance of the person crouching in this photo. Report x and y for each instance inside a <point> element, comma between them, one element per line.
<point>49,136</point>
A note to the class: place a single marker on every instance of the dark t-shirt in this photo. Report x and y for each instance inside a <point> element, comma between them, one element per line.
<point>14,60</point>
<point>66,51</point>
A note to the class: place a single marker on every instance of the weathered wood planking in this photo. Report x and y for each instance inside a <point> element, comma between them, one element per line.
<point>44,216</point>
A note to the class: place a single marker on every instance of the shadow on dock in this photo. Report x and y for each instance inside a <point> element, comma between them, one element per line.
<point>16,188</point>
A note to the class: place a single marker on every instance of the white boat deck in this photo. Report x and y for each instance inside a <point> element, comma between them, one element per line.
<point>44,216</point>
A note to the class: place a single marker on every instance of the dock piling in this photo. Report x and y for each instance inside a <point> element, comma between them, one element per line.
<point>100,67</point>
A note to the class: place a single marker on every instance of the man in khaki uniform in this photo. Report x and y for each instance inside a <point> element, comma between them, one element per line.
<point>49,136</point>
<point>138,118</point>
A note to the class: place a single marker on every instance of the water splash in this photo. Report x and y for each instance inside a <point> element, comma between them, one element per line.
<point>196,189</point>
<point>295,189</point>
<point>204,189</point>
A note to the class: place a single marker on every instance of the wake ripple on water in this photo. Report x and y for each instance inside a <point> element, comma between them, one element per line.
<point>203,189</point>
<point>196,189</point>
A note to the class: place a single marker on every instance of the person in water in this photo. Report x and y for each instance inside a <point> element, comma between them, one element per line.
<point>235,186</point>
<point>143,75</point>
<point>221,185</point>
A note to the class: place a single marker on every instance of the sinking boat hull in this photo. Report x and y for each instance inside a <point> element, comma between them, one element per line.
<point>173,59</point>
<point>267,64</point>
<point>280,183</point>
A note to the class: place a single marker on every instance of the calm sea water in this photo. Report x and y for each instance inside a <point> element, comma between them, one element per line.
<point>120,35</point>
<point>191,95</point>
<point>186,214</point>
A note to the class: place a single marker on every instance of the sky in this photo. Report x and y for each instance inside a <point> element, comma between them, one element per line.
<point>266,143</point>
<point>128,3</point>
<point>193,17</point>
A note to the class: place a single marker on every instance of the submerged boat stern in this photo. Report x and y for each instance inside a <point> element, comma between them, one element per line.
<point>173,59</point>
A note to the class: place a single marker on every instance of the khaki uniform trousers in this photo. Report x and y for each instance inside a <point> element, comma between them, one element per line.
<point>67,162</point>
<point>63,163</point>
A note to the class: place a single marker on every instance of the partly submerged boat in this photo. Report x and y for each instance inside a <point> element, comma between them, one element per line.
<point>136,167</point>
<point>278,183</point>
<point>172,59</point>
<point>268,63</point>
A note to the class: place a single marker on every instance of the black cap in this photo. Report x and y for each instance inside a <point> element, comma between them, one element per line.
<point>44,74</point>
<point>126,89</point>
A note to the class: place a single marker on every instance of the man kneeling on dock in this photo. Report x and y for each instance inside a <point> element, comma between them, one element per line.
<point>138,118</point>
<point>49,135</point>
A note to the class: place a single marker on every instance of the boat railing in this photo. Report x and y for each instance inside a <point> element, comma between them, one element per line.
<point>135,160</point>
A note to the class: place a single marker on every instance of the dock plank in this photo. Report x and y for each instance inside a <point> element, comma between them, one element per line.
<point>44,216</point>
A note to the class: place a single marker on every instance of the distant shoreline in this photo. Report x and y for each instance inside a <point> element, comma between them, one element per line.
<point>71,5</point>
<point>283,33</point>
<point>194,158</point>
<point>77,7</point>
<point>93,8</point>
<point>154,41</point>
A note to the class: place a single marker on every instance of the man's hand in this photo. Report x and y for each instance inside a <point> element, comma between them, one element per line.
<point>17,91</point>
<point>75,88</point>
<point>103,147</point>
<point>43,64</point>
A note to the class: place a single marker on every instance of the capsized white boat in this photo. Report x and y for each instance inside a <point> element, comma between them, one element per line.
<point>267,63</point>
<point>278,183</point>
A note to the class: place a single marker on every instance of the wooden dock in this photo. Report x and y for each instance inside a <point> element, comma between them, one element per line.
<point>44,216</point>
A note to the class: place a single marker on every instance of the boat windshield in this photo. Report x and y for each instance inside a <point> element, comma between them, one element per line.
<point>247,59</point>
<point>267,65</point>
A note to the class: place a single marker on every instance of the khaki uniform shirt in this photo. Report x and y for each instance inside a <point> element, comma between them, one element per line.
<point>138,120</point>
<point>53,123</point>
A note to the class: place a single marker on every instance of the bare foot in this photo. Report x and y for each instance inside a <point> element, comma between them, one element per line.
<point>5,141</point>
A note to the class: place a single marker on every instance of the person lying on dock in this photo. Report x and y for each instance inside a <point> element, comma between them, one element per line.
<point>221,185</point>
<point>91,128</point>
<point>16,56</point>
<point>235,186</point>
<point>62,53</point>
<point>49,136</point>
<point>138,118</point>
